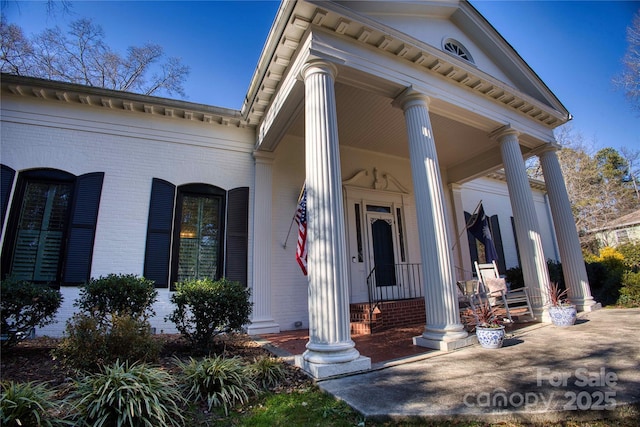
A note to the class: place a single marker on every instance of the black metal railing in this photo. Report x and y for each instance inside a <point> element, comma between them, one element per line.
<point>394,282</point>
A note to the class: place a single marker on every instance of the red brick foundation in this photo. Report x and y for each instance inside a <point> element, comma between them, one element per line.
<point>386,315</point>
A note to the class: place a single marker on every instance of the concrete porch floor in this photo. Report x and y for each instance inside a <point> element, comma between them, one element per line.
<point>542,374</point>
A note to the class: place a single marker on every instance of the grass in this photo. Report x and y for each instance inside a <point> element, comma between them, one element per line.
<point>310,407</point>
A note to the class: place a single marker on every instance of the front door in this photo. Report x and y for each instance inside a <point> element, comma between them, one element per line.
<point>382,248</point>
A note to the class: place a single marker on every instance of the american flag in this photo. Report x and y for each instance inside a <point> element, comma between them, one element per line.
<point>301,219</point>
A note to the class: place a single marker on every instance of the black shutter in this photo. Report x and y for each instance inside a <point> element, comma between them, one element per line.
<point>6,182</point>
<point>82,228</point>
<point>237,235</point>
<point>497,241</point>
<point>515,238</point>
<point>473,248</point>
<point>156,256</point>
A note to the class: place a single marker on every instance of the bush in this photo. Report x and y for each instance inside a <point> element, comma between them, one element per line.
<point>630,290</point>
<point>267,371</point>
<point>631,253</point>
<point>129,395</point>
<point>118,294</point>
<point>113,325</point>
<point>221,382</point>
<point>205,308</point>
<point>27,404</point>
<point>605,275</point>
<point>515,277</point>
<point>25,306</point>
<point>88,343</point>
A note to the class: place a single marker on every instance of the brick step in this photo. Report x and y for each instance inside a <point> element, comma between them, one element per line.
<point>386,315</point>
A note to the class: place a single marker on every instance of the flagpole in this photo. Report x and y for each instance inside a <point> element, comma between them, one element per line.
<point>466,225</point>
<point>284,245</point>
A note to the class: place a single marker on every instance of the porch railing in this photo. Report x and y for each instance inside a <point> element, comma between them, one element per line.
<point>393,282</point>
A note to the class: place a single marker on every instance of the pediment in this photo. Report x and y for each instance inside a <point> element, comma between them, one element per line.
<point>434,23</point>
<point>415,35</point>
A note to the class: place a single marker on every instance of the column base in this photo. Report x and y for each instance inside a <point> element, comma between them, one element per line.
<point>587,306</point>
<point>467,341</point>
<point>267,326</point>
<point>326,370</point>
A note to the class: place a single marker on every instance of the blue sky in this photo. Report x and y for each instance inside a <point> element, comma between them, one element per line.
<point>576,47</point>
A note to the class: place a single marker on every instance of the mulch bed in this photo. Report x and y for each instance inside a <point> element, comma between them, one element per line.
<point>32,360</point>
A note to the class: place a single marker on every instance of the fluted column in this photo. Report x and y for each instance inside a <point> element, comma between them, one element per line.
<point>262,319</point>
<point>330,349</point>
<point>573,269</point>
<point>443,329</point>
<point>534,264</point>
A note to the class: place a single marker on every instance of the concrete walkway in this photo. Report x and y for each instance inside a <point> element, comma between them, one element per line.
<point>542,373</point>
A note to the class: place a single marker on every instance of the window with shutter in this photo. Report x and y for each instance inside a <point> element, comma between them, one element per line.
<point>48,207</point>
<point>187,231</point>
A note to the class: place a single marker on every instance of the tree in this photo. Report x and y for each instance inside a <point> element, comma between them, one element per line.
<point>629,81</point>
<point>81,56</point>
<point>599,185</point>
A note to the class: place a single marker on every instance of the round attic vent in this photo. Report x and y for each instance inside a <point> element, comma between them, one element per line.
<point>456,48</point>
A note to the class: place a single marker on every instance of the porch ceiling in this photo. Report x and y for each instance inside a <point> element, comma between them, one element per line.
<point>368,121</point>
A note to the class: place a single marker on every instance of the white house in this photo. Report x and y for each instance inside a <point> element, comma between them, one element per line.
<point>625,229</point>
<point>399,116</point>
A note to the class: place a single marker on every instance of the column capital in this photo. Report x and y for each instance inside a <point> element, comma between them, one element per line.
<point>263,157</point>
<point>410,97</point>
<point>505,130</point>
<point>548,148</point>
<point>318,66</point>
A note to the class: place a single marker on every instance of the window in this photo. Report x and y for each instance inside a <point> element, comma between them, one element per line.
<point>196,231</point>
<point>622,236</point>
<point>199,215</point>
<point>456,48</point>
<point>51,227</point>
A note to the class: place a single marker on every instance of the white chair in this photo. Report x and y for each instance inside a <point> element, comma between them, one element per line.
<point>495,289</point>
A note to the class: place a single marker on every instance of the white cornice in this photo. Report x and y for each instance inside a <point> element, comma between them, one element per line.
<point>69,93</point>
<point>305,16</point>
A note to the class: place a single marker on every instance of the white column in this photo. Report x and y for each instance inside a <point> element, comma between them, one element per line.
<point>573,269</point>
<point>443,330</point>
<point>262,319</point>
<point>534,264</point>
<point>330,350</point>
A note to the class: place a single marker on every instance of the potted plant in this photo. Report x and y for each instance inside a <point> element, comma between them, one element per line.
<point>488,325</point>
<point>561,311</point>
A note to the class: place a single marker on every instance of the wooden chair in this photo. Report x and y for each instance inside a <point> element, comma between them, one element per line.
<point>495,289</point>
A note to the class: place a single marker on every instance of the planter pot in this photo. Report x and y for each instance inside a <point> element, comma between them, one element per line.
<point>563,315</point>
<point>490,337</point>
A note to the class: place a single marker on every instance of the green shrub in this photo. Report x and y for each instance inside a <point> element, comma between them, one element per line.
<point>515,277</point>
<point>267,371</point>
<point>128,395</point>
<point>88,344</point>
<point>218,381</point>
<point>118,294</point>
<point>27,404</point>
<point>630,290</point>
<point>631,253</point>
<point>605,275</point>
<point>113,323</point>
<point>205,308</point>
<point>25,306</point>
